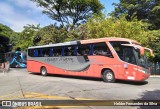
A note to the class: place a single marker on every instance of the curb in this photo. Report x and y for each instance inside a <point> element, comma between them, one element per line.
<point>155,76</point>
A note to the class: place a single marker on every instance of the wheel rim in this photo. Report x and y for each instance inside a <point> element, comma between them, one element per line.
<point>109,76</point>
<point>43,71</point>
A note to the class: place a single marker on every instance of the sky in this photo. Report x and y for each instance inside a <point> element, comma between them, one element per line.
<point>18,13</point>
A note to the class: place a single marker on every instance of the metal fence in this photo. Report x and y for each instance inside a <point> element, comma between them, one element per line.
<point>155,69</point>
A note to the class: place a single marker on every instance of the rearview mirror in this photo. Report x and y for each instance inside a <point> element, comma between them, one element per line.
<point>141,51</point>
<point>151,52</point>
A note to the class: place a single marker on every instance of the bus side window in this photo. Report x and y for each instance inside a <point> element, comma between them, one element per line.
<point>35,53</point>
<point>41,52</point>
<point>51,52</point>
<point>66,51</point>
<point>58,51</point>
<point>75,50</point>
<point>46,52</point>
<point>69,51</point>
<point>30,53</point>
<point>91,49</point>
<point>62,52</point>
<point>79,51</point>
<point>84,49</point>
<point>102,49</point>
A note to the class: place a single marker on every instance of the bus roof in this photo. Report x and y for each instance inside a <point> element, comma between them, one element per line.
<point>109,39</point>
<point>87,41</point>
<point>56,45</point>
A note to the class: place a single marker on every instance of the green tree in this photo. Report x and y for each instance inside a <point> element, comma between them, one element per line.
<point>100,27</point>
<point>80,33</point>
<point>155,44</point>
<point>146,10</point>
<point>5,30</point>
<point>155,15</point>
<point>6,37</point>
<point>4,41</point>
<point>111,27</point>
<point>50,34</point>
<point>25,38</point>
<point>70,12</point>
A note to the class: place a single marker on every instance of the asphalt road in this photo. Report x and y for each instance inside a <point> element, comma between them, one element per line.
<point>18,84</point>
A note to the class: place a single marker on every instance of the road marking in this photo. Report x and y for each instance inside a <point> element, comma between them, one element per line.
<point>40,96</point>
<point>12,96</point>
<point>36,95</point>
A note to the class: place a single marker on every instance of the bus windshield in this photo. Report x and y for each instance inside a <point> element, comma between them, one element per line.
<point>142,59</point>
<point>130,54</point>
<point>125,53</point>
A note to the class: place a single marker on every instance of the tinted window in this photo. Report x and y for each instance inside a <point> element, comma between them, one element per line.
<point>74,50</point>
<point>118,47</point>
<point>101,49</point>
<point>69,51</point>
<point>45,52</point>
<point>129,55</point>
<point>57,51</point>
<point>31,52</point>
<point>51,52</point>
<point>84,49</point>
<point>40,52</point>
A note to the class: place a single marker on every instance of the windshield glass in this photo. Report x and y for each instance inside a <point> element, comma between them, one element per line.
<point>130,54</point>
<point>142,59</point>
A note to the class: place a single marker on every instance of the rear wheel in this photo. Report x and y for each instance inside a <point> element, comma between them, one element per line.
<point>108,76</point>
<point>44,71</point>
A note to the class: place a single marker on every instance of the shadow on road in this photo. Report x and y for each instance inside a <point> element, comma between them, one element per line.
<point>151,96</point>
<point>94,79</point>
<point>132,82</point>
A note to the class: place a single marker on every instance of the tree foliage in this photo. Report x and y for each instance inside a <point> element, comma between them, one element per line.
<point>155,44</point>
<point>25,38</point>
<point>70,12</point>
<point>79,33</point>
<point>4,42</point>
<point>146,10</point>
<point>112,27</point>
<point>50,34</point>
<point>5,36</point>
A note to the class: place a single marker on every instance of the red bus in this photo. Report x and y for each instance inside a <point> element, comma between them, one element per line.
<point>107,58</point>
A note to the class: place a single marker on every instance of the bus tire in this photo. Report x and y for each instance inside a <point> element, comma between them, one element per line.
<point>43,71</point>
<point>108,76</point>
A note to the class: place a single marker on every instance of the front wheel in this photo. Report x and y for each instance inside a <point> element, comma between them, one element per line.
<point>108,76</point>
<point>43,71</point>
